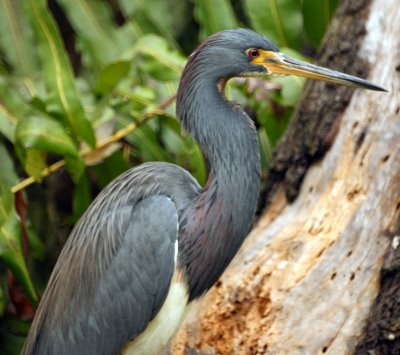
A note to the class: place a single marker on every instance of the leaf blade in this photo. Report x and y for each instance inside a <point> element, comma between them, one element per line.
<point>214,16</point>
<point>281,21</point>
<point>16,39</point>
<point>10,231</point>
<point>63,96</point>
<point>317,15</point>
<point>92,21</point>
<point>46,135</point>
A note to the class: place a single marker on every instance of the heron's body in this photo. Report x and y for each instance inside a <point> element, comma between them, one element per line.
<point>134,268</point>
<point>154,240</point>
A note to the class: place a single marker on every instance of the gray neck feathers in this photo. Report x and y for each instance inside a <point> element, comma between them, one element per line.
<point>215,225</point>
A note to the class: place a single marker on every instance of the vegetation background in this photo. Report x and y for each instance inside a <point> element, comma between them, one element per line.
<point>87,90</point>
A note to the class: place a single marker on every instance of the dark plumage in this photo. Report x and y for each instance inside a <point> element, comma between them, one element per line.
<point>154,240</point>
<point>214,225</point>
<point>120,263</point>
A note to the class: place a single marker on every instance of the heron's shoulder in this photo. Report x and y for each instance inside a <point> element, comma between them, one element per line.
<point>149,179</point>
<point>162,171</point>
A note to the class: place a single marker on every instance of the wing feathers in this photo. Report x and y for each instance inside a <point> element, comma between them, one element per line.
<point>126,291</point>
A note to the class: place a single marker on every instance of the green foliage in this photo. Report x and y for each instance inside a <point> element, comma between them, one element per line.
<point>214,16</point>
<point>291,23</point>
<point>10,233</point>
<point>79,73</point>
<point>317,15</point>
<point>280,20</point>
<point>62,95</point>
<point>46,135</point>
<point>17,38</point>
<point>98,39</point>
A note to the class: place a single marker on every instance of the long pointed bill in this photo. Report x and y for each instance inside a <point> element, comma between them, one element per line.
<point>280,64</point>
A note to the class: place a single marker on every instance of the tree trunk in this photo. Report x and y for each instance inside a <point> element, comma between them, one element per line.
<point>321,274</point>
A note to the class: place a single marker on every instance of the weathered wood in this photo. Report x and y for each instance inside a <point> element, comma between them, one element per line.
<point>307,277</point>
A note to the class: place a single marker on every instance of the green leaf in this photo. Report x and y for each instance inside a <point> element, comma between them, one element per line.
<point>11,252</point>
<point>3,70</point>
<point>82,196</point>
<point>11,340</point>
<point>157,16</point>
<point>279,20</point>
<point>110,76</point>
<point>41,134</point>
<point>46,135</point>
<point>63,98</point>
<point>214,16</point>
<point>184,147</point>
<point>145,139</point>
<point>10,231</point>
<point>197,163</point>
<point>171,136</point>
<point>8,178</point>
<point>110,168</point>
<point>317,16</point>
<point>16,40</point>
<point>272,121</point>
<point>160,61</point>
<point>96,30</point>
<point>157,70</point>
<point>36,246</point>
<point>292,88</point>
<point>8,122</point>
<point>75,166</point>
<point>34,163</point>
<point>12,108</point>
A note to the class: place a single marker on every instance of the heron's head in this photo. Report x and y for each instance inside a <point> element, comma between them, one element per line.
<point>243,52</point>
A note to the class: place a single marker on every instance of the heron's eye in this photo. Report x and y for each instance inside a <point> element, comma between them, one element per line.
<point>253,53</point>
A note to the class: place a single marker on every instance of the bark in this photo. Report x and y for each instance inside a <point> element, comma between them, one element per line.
<point>321,274</point>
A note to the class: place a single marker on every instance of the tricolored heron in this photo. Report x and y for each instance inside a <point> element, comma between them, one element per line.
<point>154,240</point>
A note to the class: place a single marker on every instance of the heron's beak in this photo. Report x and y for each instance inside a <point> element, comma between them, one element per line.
<point>277,63</point>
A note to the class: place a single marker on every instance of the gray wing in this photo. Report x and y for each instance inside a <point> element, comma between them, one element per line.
<point>126,289</point>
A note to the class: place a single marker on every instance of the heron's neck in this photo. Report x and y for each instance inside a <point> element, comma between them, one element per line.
<point>216,224</point>
<point>223,130</point>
